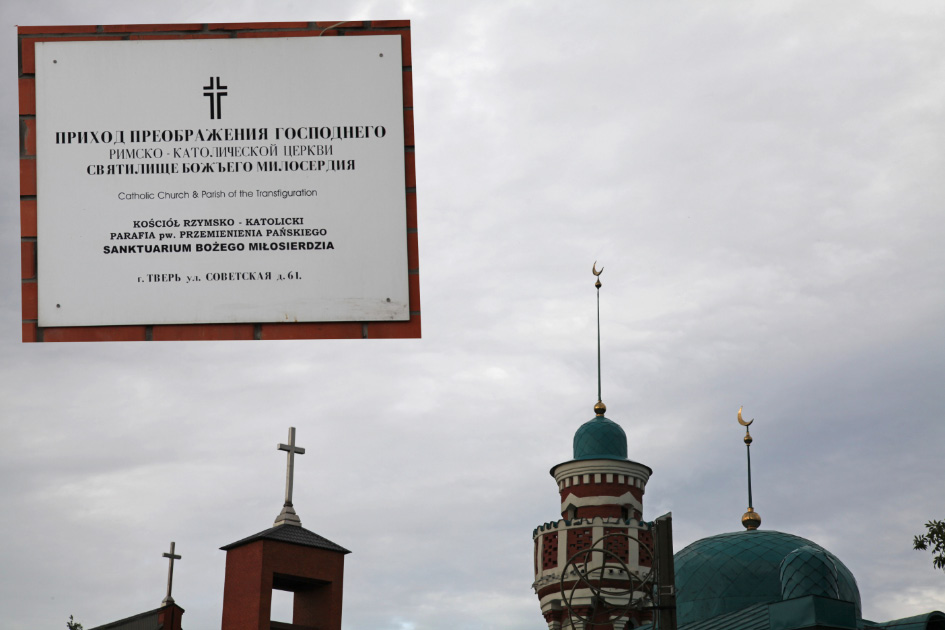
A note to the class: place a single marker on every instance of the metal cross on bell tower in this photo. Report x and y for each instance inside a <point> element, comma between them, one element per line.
<point>171,556</point>
<point>288,516</point>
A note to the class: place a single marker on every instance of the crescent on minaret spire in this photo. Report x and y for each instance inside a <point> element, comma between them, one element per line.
<point>599,407</point>
<point>751,520</point>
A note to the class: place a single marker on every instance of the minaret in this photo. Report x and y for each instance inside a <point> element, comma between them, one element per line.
<point>601,493</point>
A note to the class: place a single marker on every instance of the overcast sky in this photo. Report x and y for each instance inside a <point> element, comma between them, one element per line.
<point>763,185</point>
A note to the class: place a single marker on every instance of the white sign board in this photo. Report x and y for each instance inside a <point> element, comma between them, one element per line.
<point>219,181</point>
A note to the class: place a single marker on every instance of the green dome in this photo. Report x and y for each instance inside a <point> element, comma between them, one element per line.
<point>808,571</point>
<point>600,438</point>
<point>729,572</point>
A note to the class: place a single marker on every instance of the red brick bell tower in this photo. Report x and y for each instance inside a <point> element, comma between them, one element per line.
<point>285,557</point>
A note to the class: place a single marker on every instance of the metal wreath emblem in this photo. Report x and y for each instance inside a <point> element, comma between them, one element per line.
<point>611,602</point>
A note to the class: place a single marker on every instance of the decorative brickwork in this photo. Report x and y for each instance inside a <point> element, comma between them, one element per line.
<point>601,489</point>
<point>618,544</point>
<point>579,539</point>
<point>549,551</point>
<point>646,543</point>
<point>603,511</point>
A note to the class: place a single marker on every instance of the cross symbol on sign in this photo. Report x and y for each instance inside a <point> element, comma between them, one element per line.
<point>216,92</point>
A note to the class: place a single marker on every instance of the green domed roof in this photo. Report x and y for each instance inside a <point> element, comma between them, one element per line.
<point>729,572</point>
<point>808,571</point>
<point>600,438</point>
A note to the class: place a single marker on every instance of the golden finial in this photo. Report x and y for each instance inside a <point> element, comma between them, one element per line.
<point>750,519</point>
<point>597,273</point>
<point>599,407</point>
<point>746,425</point>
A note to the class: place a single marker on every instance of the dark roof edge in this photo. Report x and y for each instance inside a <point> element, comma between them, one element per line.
<point>909,622</point>
<point>314,540</point>
<point>113,624</point>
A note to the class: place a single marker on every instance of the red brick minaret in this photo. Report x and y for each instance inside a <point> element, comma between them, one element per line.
<point>601,506</point>
<point>285,557</point>
<point>601,510</point>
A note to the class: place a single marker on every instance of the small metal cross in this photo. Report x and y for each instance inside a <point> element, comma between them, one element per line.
<point>170,573</point>
<point>291,449</point>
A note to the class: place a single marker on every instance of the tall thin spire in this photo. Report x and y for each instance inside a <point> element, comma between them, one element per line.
<point>599,408</point>
<point>751,519</point>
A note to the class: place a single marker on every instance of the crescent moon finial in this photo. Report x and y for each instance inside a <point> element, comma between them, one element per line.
<point>742,422</point>
<point>597,274</point>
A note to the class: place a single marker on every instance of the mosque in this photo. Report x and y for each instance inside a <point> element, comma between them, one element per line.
<point>592,565</point>
<point>754,579</point>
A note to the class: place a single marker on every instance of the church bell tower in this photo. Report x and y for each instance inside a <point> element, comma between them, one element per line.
<point>284,557</point>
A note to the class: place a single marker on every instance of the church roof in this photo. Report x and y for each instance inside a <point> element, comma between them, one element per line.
<point>293,534</point>
<point>731,572</point>
<point>600,438</point>
<point>142,621</point>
